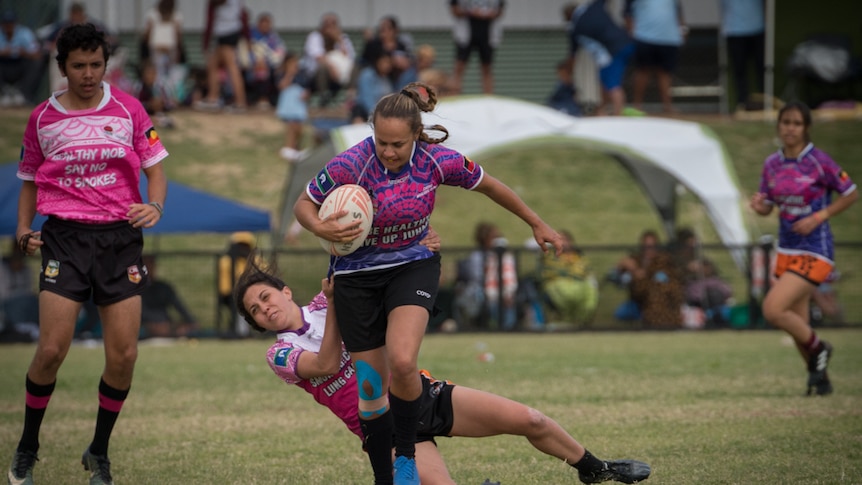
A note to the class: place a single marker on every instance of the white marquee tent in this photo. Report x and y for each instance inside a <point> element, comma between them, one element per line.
<point>659,153</point>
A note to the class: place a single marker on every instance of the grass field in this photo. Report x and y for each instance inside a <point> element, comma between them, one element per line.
<point>701,407</point>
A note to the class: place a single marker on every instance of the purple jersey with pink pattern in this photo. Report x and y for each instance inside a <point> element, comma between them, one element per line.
<point>801,187</point>
<point>86,164</point>
<point>402,201</point>
<point>337,391</point>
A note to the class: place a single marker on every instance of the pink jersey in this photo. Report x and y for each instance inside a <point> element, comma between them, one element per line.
<point>87,164</point>
<point>338,391</point>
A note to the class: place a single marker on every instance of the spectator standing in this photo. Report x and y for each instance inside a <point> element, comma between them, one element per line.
<point>591,27</point>
<point>291,108</point>
<point>20,57</point>
<point>477,27</point>
<point>569,282</point>
<point>328,58</point>
<point>92,241</point>
<point>658,30</point>
<point>226,26</point>
<point>399,46</point>
<point>799,180</point>
<point>159,302</point>
<point>266,55</point>
<point>742,25</point>
<point>164,49</point>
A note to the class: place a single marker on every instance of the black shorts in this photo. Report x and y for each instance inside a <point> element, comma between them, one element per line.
<point>229,39</point>
<point>437,415</point>
<point>480,39</point>
<point>663,57</point>
<point>363,300</point>
<point>102,260</point>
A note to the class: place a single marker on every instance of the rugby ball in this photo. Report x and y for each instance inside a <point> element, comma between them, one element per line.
<point>356,201</point>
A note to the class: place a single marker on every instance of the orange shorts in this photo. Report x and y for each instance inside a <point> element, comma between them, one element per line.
<point>808,266</point>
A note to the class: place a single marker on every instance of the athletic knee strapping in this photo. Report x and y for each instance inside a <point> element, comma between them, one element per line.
<point>373,399</point>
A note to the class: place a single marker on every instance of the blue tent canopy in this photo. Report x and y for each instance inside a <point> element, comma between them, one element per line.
<point>187,210</point>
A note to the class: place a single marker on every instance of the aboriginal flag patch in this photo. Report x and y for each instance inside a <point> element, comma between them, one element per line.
<point>469,165</point>
<point>152,136</point>
<point>843,176</point>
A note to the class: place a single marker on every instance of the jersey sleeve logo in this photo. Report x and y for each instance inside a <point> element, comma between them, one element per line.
<point>152,136</point>
<point>469,165</point>
<point>324,182</point>
<point>843,177</point>
<point>280,357</point>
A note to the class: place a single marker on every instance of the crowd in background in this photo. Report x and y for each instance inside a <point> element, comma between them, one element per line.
<point>249,66</point>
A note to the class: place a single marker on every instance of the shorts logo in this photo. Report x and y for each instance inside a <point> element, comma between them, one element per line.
<point>434,389</point>
<point>134,274</point>
<point>53,269</point>
<point>324,182</point>
<point>152,136</point>
<point>423,294</point>
<point>280,357</point>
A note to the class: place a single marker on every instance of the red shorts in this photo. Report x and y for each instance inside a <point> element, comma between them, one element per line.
<point>808,266</point>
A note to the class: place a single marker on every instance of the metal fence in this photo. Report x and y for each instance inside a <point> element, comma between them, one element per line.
<point>193,274</point>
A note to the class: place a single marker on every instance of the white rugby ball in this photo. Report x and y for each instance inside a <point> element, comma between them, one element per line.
<point>356,201</point>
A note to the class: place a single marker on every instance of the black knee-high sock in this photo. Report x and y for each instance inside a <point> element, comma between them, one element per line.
<point>406,415</point>
<point>589,463</point>
<point>36,401</point>
<point>377,441</point>
<point>110,403</point>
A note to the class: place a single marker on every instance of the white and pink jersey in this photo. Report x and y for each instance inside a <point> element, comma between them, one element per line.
<point>338,391</point>
<point>87,164</point>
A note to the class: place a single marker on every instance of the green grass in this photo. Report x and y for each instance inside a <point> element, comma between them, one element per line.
<point>701,407</point>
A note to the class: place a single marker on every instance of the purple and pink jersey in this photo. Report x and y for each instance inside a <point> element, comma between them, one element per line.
<point>402,201</point>
<point>801,187</point>
<point>338,391</point>
<point>87,164</point>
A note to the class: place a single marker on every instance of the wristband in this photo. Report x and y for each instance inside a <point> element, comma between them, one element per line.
<point>158,207</point>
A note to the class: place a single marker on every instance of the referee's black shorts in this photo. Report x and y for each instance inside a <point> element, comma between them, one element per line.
<point>364,299</point>
<point>102,260</point>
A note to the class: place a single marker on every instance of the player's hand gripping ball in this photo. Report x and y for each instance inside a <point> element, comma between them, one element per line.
<point>355,200</point>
